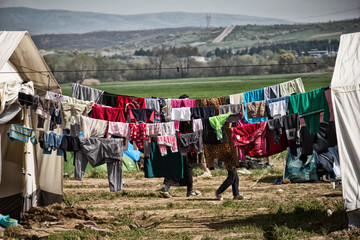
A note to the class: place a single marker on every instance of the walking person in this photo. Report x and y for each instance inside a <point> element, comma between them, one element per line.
<point>231,180</point>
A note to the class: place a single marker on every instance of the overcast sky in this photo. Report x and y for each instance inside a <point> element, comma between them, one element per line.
<point>293,10</point>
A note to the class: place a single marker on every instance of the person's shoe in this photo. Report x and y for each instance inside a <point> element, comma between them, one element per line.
<point>218,196</point>
<point>239,197</point>
<point>205,174</point>
<point>193,193</point>
<point>165,192</point>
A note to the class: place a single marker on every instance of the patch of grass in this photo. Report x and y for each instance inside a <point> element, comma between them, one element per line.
<point>215,86</point>
<point>141,233</point>
<point>75,235</point>
<point>97,174</point>
<point>284,232</point>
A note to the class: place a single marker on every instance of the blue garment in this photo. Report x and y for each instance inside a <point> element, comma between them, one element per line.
<point>252,96</point>
<point>20,133</point>
<point>52,141</point>
<point>277,100</point>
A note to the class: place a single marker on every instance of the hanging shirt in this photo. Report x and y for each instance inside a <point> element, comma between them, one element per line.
<point>181,114</point>
<point>91,127</point>
<point>56,96</point>
<point>309,105</point>
<point>277,107</point>
<point>256,109</point>
<point>217,123</point>
<point>86,93</point>
<point>108,99</point>
<point>234,109</point>
<point>250,137</point>
<point>272,92</point>
<point>237,98</point>
<point>20,133</point>
<point>127,102</point>
<point>253,96</point>
<point>141,115</point>
<point>202,112</point>
<point>70,111</point>
<point>118,129</point>
<point>152,103</point>
<point>138,134</point>
<point>88,104</point>
<point>288,88</point>
<point>187,140</point>
<point>108,113</point>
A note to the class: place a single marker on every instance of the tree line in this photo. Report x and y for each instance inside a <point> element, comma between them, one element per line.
<point>167,62</point>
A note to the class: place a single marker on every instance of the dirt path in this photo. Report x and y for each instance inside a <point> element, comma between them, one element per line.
<point>222,35</point>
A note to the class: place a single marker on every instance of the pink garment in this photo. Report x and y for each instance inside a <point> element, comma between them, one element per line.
<point>167,141</point>
<point>179,103</point>
<point>152,130</point>
<point>197,125</point>
<point>329,100</point>
<point>118,129</point>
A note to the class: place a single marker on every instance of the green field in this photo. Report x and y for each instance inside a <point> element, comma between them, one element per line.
<point>206,87</point>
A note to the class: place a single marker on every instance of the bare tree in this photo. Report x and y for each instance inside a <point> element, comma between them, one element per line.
<point>158,56</point>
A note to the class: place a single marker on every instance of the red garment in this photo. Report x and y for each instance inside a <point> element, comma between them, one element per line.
<point>272,148</point>
<point>250,136</point>
<point>108,113</point>
<point>130,102</point>
<point>138,134</point>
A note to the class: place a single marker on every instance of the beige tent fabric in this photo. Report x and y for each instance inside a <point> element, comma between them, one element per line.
<point>19,48</point>
<point>30,178</point>
<point>345,90</point>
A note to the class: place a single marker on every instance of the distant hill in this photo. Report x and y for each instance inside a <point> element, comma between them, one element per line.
<point>60,21</point>
<point>241,37</point>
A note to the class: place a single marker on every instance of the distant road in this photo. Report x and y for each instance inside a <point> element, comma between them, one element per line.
<point>222,35</point>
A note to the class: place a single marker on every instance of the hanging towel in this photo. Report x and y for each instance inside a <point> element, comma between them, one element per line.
<point>217,123</point>
<point>237,98</point>
<point>202,112</point>
<point>277,107</point>
<point>20,133</point>
<point>181,114</point>
<point>91,127</point>
<point>253,96</point>
<point>256,109</point>
<point>85,93</point>
<point>272,92</point>
<point>108,113</point>
<point>152,103</point>
<point>290,87</point>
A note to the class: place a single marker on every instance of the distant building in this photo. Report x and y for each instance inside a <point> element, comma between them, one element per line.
<point>315,53</point>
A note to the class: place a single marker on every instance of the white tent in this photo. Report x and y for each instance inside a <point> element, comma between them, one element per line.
<point>27,177</point>
<point>345,90</point>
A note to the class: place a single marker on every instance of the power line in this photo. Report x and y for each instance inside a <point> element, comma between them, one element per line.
<point>163,68</point>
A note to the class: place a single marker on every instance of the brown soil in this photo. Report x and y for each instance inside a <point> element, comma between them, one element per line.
<point>148,210</point>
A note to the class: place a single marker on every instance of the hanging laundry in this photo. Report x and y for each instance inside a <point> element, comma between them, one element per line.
<point>28,100</point>
<point>202,112</point>
<point>253,96</point>
<point>85,93</point>
<point>309,105</point>
<point>292,126</point>
<point>69,144</point>
<point>275,128</point>
<point>43,110</point>
<point>288,88</point>
<point>250,136</point>
<point>52,142</point>
<point>98,151</point>
<point>108,99</point>
<point>234,109</point>
<point>218,122</point>
<point>180,103</point>
<point>88,104</point>
<point>197,125</point>
<point>20,133</point>
<point>70,111</point>
<point>277,107</point>
<point>189,140</point>
<point>138,134</point>
<point>130,102</point>
<point>152,103</point>
<point>167,128</point>
<point>272,147</point>
<point>170,165</point>
<point>272,92</point>
<point>256,109</point>
<point>181,114</point>
<point>118,129</point>
<point>237,98</point>
<point>55,118</point>
<point>153,129</point>
<point>141,115</point>
<point>165,106</point>
<point>167,141</point>
<point>209,133</point>
<point>108,113</point>
<point>56,96</point>
<point>91,127</point>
